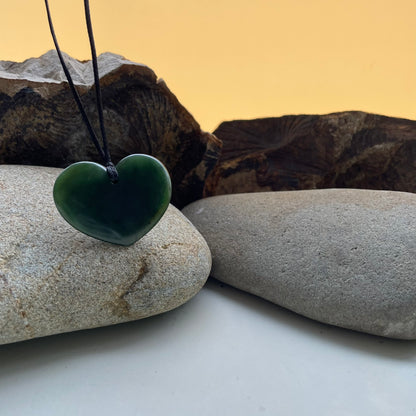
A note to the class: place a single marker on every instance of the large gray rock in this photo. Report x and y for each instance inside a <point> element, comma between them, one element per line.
<point>54,279</point>
<point>343,257</point>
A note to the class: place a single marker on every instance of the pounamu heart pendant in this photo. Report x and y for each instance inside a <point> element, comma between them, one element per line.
<point>119,213</point>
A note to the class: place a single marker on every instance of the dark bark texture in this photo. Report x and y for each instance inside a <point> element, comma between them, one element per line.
<point>41,125</point>
<point>340,150</point>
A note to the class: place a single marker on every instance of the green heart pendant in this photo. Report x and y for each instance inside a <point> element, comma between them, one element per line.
<point>119,213</point>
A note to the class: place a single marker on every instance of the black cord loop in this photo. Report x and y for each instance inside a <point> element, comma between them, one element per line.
<point>103,151</point>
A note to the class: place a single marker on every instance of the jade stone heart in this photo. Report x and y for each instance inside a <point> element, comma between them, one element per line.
<point>120,213</point>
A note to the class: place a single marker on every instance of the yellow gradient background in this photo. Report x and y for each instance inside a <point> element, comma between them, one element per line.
<point>243,59</point>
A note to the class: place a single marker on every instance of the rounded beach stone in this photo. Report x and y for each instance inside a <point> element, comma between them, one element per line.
<point>54,279</point>
<point>341,256</point>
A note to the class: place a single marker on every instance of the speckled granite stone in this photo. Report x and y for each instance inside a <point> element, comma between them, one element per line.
<point>54,279</point>
<point>341,256</point>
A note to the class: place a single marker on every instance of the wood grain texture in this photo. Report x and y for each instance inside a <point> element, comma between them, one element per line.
<point>340,150</point>
<point>41,125</point>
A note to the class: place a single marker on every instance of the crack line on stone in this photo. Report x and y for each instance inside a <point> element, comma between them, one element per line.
<point>144,269</point>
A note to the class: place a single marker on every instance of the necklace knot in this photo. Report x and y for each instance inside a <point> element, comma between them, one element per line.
<point>112,172</point>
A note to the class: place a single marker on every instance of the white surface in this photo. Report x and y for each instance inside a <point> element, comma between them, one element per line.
<point>223,353</point>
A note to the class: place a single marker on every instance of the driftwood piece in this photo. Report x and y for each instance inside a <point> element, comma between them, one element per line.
<point>340,150</point>
<point>40,123</point>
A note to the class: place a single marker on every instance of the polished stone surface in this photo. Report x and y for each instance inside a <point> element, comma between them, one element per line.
<point>122,212</point>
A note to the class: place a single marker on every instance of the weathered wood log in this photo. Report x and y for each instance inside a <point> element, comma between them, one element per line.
<point>340,150</point>
<point>41,125</point>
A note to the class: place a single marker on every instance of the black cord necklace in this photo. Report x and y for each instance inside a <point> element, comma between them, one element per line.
<point>114,204</point>
<point>103,151</point>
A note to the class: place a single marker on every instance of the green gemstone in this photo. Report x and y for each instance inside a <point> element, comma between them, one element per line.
<point>120,213</point>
